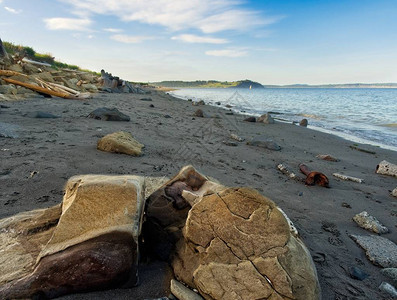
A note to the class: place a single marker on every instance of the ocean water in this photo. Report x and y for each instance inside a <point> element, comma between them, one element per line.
<point>360,115</point>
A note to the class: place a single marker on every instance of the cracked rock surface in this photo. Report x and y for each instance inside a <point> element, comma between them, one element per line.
<point>237,245</point>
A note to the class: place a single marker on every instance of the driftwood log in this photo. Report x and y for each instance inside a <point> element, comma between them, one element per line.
<point>313,177</point>
<point>348,178</point>
<point>386,168</point>
<point>46,91</point>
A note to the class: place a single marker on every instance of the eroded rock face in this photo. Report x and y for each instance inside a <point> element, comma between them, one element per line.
<point>94,244</point>
<point>237,245</point>
<point>120,142</point>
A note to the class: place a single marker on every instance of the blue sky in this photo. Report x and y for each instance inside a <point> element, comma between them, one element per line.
<point>273,42</point>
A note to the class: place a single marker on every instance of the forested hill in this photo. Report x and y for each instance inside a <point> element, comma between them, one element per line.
<point>209,84</point>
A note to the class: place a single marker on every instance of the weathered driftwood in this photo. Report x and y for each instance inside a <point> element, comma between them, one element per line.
<point>35,62</point>
<point>286,171</point>
<point>313,177</point>
<point>43,90</point>
<point>348,178</point>
<point>386,168</point>
<point>10,73</point>
<point>362,150</point>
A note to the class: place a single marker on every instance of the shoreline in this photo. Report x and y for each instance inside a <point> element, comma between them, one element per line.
<point>58,149</point>
<point>346,136</point>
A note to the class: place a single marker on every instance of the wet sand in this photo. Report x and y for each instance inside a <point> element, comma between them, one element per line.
<point>35,165</point>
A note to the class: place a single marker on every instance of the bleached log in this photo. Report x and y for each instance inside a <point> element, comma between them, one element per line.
<point>348,178</point>
<point>386,168</point>
<point>286,171</point>
<point>35,62</point>
<point>46,91</point>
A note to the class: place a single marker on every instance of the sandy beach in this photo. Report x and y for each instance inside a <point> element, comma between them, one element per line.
<point>44,153</point>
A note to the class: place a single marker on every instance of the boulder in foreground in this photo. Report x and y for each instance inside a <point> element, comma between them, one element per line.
<point>120,142</point>
<point>228,243</point>
<point>95,243</point>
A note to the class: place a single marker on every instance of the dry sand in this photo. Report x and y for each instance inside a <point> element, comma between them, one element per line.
<point>59,148</point>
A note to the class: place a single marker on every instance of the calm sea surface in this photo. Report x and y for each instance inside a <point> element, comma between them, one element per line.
<point>361,115</point>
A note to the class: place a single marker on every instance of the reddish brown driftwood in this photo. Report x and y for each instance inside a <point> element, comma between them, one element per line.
<point>313,178</point>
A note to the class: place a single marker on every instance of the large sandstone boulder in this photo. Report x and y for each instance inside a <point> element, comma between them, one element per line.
<point>120,142</point>
<point>238,245</point>
<point>94,244</point>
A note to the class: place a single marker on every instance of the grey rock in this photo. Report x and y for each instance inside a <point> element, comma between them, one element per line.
<point>197,103</point>
<point>379,250</point>
<point>167,116</point>
<point>266,118</point>
<point>41,115</point>
<point>199,113</point>
<point>108,114</point>
<point>366,221</point>
<point>303,123</point>
<point>389,289</point>
<point>264,142</point>
<point>391,273</point>
<point>8,89</point>
<point>182,292</point>
<point>8,130</point>
<point>394,192</point>
<point>90,87</point>
<point>250,119</point>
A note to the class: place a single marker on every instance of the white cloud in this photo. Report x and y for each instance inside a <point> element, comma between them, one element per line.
<point>113,30</point>
<point>227,53</point>
<point>191,38</point>
<point>209,16</point>
<point>12,10</point>
<point>68,24</point>
<point>130,39</point>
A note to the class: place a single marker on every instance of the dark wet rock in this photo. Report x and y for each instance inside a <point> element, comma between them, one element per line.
<point>230,143</point>
<point>167,116</point>
<point>41,115</point>
<point>379,250</point>
<point>266,119</point>
<point>229,113</point>
<point>4,106</point>
<point>357,273</point>
<point>146,99</point>
<point>217,103</point>
<point>303,123</point>
<point>228,106</point>
<point>250,119</point>
<point>151,105</point>
<point>108,114</point>
<point>264,142</point>
<point>199,113</point>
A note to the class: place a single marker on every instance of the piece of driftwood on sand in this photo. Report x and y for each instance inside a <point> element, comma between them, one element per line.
<point>62,94</point>
<point>348,178</point>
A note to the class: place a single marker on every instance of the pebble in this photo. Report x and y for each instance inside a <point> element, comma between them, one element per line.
<point>182,292</point>
<point>303,123</point>
<point>388,288</point>
<point>250,119</point>
<point>366,221</point>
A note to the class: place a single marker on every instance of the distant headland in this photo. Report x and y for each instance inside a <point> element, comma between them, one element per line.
<point>249,84</point>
